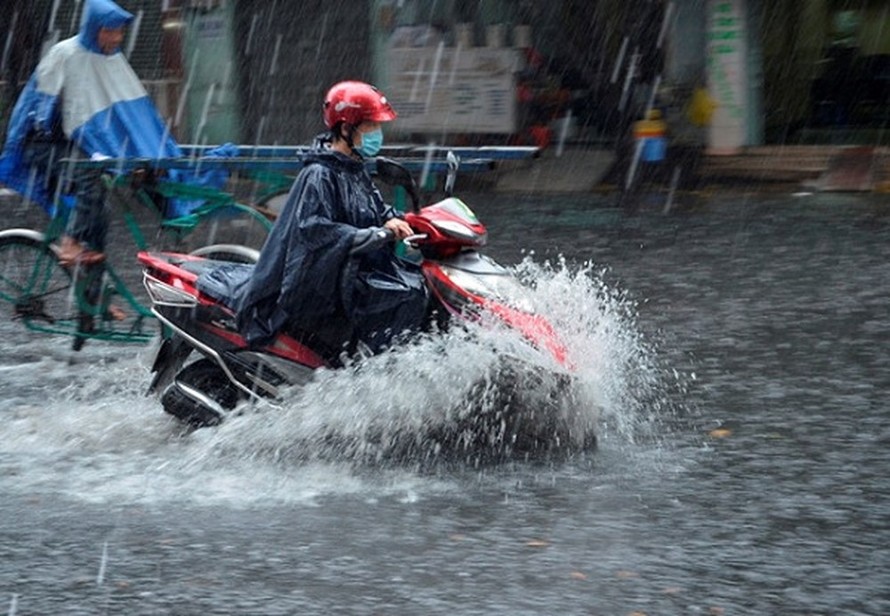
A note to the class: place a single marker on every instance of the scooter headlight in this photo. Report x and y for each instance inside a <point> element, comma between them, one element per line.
<point>498,287</point>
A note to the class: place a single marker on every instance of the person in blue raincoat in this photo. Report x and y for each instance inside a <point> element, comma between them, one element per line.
<point>326,265</point>
<point>82,101</point>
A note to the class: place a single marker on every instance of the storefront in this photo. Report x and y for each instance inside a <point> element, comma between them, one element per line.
<point>783,71</point>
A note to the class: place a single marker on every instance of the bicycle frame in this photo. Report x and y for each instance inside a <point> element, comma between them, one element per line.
<point>84,314</point>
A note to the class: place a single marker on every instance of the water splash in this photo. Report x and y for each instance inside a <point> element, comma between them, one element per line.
<point>617,367</point>
<point>87,431</point>
<point>457,394</point>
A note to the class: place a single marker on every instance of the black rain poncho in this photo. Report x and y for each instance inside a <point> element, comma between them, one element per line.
<point>313,271</point>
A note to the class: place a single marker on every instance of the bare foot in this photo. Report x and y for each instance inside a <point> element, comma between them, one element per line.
<point>116,313</point>
<point>71,252</point>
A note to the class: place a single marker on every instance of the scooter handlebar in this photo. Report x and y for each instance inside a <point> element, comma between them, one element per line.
<point>411,240</point>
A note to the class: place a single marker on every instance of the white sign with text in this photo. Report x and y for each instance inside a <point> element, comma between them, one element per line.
<point>452,89</point>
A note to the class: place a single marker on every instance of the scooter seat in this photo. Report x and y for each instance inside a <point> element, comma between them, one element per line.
<point>224,282</point>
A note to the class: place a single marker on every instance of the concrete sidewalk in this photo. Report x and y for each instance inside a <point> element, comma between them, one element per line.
<point>818,168</point>
<point>572,170</point>
<point>823,168</point>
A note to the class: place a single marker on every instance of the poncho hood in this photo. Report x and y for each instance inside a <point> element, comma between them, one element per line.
<point>100,14</point>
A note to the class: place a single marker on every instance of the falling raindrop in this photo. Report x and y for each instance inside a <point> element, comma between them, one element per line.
<point>631,172</point>
<point>205,110</point>
<point>321,35</point>
<point>434,76</point>
<point>180,107</point>
<point>51,26</point>
<point>202,144</point>
<point>620,60</point>
<point>224,84</point>
<point>655,85</point>
<point>100,578</point>
<point>427,162</point>
<point>71,297</point>
<point>100,301</point>
<point>249,44</point>
<point>417,75</point>
<point>273,66</point>
<point>134,33</point>
<point>32,181</point>
<point>455,61</point>
<point>563,132</point>
<point>72,27</point>
<point>259,131</point>
<point>8,44</point>
<point>631,70</point>
<point>122,154</point>
<point>675,179</point>
<point>163,141</point>
<point>664,24</point>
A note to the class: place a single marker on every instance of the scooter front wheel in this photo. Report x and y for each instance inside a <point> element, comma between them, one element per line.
<point>201,395</point>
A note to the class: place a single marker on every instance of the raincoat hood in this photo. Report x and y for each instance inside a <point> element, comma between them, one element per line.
<point>100,14</point>
<point>82,98</point>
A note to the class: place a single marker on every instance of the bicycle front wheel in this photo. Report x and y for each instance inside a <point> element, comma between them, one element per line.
<point>34,283</point>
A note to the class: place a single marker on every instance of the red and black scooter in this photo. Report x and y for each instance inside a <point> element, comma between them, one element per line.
<point>463,283</point>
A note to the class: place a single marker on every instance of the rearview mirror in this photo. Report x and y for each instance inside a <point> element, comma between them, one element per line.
<point>453,161</point>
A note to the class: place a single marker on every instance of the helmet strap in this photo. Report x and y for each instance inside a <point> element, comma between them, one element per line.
<point>350,139</point>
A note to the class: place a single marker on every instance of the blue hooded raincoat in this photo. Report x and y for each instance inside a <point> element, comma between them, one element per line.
<point>94,99</point>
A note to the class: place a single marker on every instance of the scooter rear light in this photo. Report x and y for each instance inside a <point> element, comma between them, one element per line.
<point>163,294</point>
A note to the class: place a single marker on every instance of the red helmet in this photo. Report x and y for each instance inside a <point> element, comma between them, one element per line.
<point>354,102</point>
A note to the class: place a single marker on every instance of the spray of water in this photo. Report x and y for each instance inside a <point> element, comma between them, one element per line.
<point>470,394</point>
<point>467,396</point>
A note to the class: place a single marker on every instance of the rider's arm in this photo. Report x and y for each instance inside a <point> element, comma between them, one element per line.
<point>371,238</point>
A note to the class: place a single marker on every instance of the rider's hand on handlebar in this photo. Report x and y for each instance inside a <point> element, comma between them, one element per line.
<point>399,227</point>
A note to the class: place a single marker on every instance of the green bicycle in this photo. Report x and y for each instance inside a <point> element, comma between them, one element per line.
<point>47,297</point>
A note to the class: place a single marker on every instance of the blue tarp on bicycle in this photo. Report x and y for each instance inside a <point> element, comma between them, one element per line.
<point>83,103</point>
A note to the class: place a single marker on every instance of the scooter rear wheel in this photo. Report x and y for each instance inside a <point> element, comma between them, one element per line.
<point>205,377</point>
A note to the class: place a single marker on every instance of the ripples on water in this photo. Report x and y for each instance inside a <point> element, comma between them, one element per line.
<point>779,306</point>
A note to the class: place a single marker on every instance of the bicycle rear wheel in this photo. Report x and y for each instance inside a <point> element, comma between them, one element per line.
<point>33,282</point>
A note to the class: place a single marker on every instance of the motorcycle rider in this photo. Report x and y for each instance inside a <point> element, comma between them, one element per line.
<point>323,270</point>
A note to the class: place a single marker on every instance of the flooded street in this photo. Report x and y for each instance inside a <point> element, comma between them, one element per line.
<point>734,352</point>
